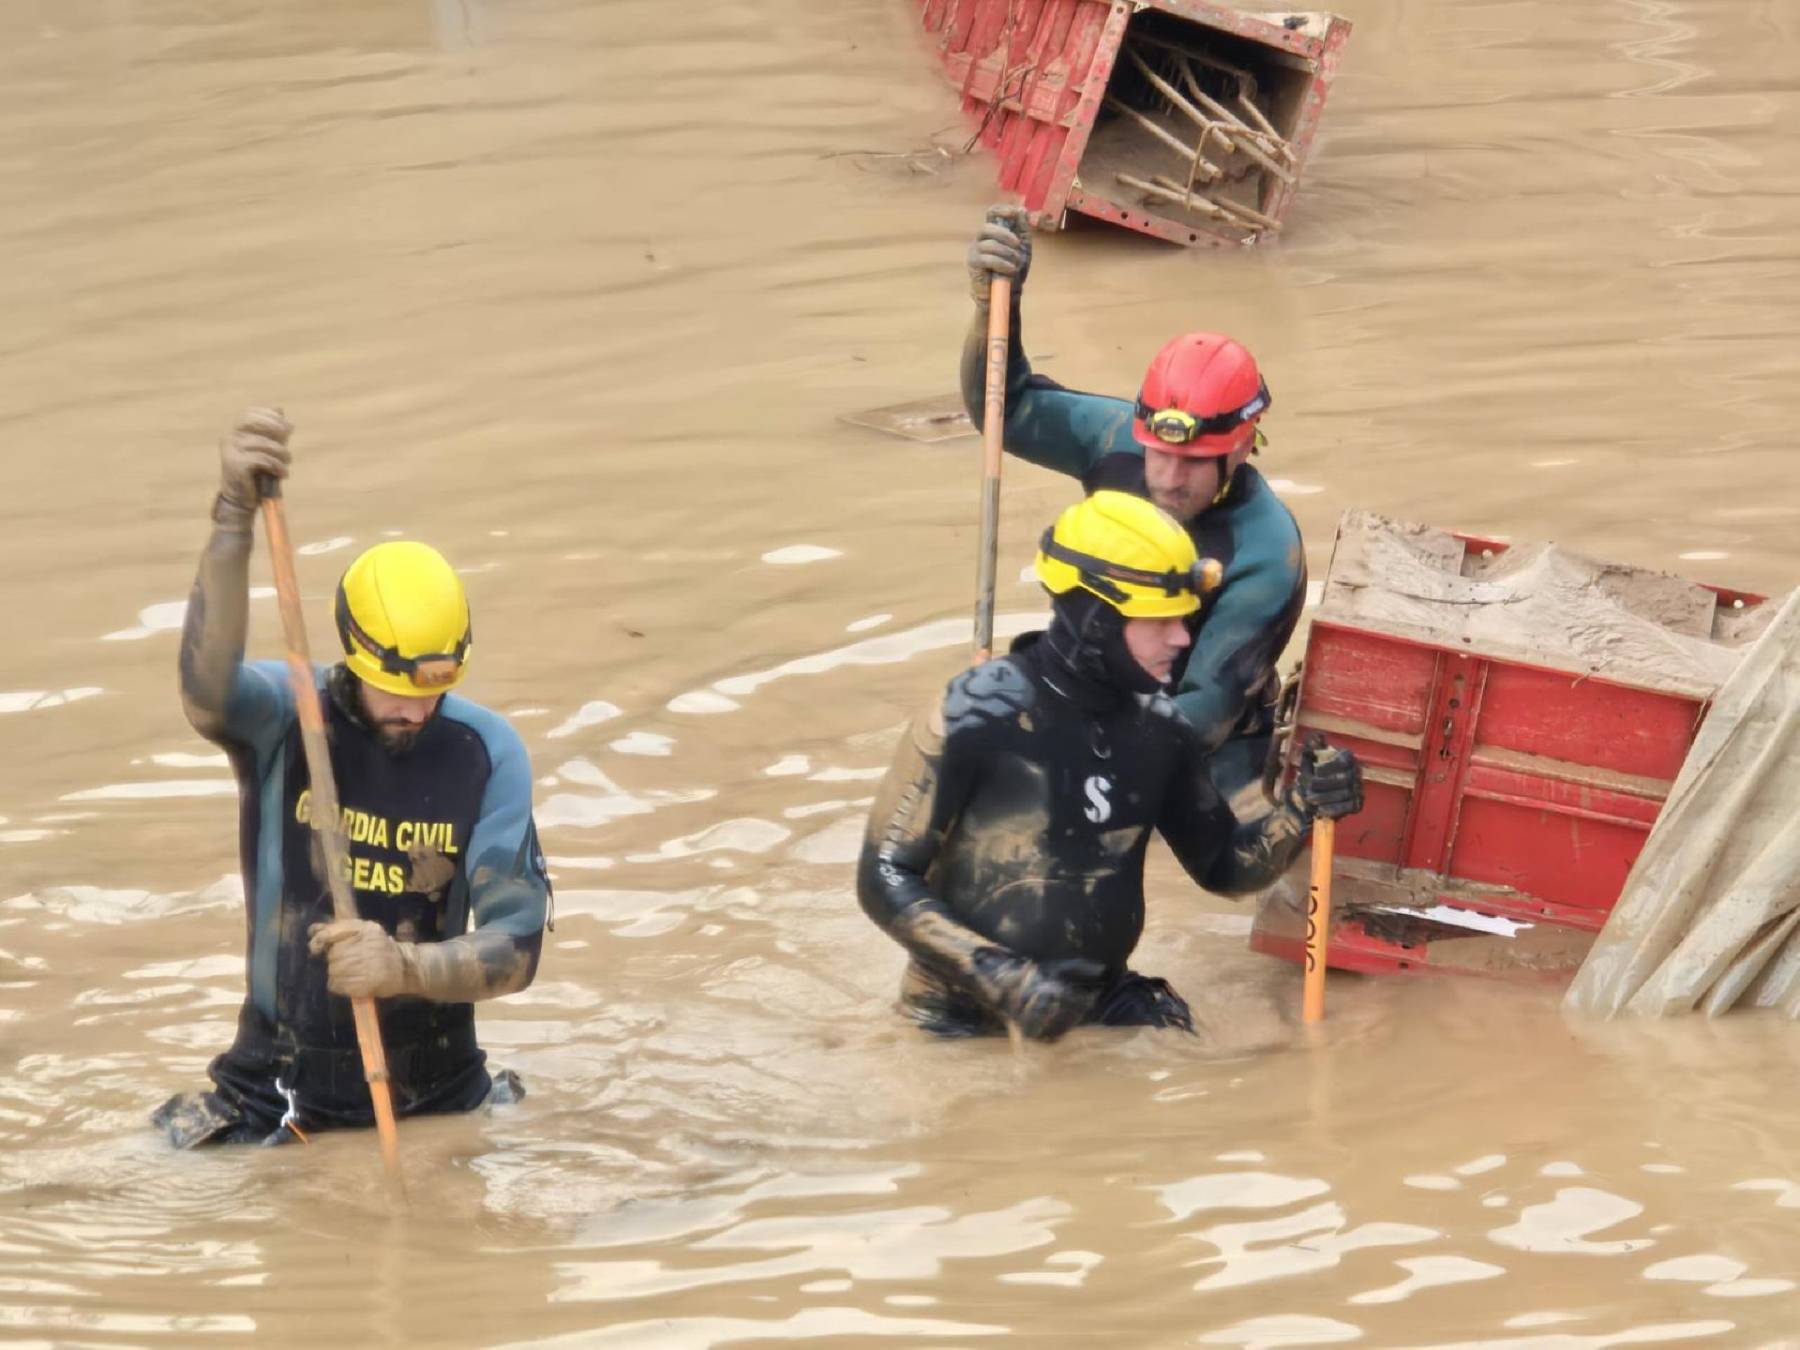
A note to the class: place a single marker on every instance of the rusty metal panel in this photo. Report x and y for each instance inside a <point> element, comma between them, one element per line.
<point>1067,95</point>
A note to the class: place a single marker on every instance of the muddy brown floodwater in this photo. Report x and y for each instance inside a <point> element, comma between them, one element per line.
<point>577,291</point>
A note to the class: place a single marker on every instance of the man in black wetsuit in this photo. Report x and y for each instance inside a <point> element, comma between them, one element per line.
<point>1005,850</point>
<point>1185,444</point>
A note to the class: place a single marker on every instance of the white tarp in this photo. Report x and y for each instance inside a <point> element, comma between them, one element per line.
<point>1710,916</point>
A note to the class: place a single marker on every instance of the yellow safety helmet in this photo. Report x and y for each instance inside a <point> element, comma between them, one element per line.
<point>1129,552</point>
<point>403,618</point>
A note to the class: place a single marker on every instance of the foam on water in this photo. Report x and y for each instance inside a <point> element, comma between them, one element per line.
<point>587,715</point>
<point>37,700</point>
<point>796,554</point>
<point>165,787</point>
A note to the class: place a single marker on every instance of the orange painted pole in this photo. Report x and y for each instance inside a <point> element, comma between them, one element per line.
<point>1318,919</point>
<point>993,426</point>
<point>325,806</point>
<point>993,430</point>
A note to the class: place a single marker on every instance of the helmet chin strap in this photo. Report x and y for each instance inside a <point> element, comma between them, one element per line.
<point>1228,473</point>
<point>1225,477</point>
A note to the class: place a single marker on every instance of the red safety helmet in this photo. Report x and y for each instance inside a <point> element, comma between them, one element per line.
<point>1201,397</point>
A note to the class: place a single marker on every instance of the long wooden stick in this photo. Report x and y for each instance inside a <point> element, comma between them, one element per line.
<point>1318,919</point>
<point>993,429</point>
<point>323,790</point>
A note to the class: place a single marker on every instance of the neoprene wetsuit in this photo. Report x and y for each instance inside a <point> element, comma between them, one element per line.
<point>1014,821</point>
<point>442,848</point>
<point>1226,685</point>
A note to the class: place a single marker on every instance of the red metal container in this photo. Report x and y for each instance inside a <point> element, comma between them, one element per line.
<point>1504,789</point>
<point>1058,90</point>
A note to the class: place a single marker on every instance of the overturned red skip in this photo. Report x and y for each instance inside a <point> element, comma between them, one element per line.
<point>1182,119</point>
<point>1522,713</point>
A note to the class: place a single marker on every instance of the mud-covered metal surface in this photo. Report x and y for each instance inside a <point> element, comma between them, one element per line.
<point>576,292</point>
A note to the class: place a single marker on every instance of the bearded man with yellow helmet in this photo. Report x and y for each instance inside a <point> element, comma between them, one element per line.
<point>1183,443</point>
<point>435,804</point>
<point>1005,851</point>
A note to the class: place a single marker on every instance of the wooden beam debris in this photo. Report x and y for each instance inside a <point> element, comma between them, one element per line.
<point>1168,190</point>
<point>1168,138</point>
<point>1250,216</point>
<point>1247,135</point>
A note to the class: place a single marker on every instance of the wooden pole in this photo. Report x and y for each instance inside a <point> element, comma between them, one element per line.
<point>1318,919</point>
<point>323,791</point>
<point>993,435</point>
<point>993,430</point>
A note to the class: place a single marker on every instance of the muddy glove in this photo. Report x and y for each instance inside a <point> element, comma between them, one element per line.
<point>1330,782</point>
<point>256,445</point>
<point>361,959</point>
<point>1003,248</point>
<point>364,962</point>
<point>1044,999</point>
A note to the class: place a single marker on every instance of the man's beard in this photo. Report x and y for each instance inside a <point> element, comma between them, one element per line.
<point>398,738</point>
<point>1183,507</point>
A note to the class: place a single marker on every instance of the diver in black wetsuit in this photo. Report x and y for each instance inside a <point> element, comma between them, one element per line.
<point>1006,849</point>
<point>1185,445</point>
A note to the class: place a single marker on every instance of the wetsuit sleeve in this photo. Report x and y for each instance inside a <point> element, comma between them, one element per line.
<point>924,792</point>
<point>1243,636</point>
<point>1223,854</point>
<point>509,889</point>
<point>261,706</point>
<point>1045,423</point>
<point>228,702</point>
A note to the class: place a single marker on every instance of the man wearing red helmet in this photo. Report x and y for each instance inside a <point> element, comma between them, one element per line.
<point>1184,443</point>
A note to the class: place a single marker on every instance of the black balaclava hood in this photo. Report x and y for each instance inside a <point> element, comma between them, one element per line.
<point>1087,636</point>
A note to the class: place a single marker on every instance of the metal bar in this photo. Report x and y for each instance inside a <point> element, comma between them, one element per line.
<point>1563,771</point>
<point>1363,731</point>
<point>1248,215</point>
<point>1245,133</point>
<point>1205,205</point>
<point>1168,138</point>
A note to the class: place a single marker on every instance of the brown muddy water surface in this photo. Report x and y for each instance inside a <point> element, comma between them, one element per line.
<point>577,291</point>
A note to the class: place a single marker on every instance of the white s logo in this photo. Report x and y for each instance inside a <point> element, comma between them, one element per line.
<point>1098,810</point>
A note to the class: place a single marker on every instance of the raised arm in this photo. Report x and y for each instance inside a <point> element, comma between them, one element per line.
<point>1045,423</point>
<point>214,688</point>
